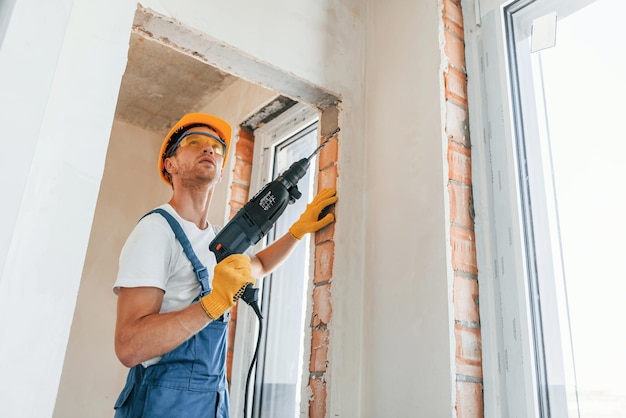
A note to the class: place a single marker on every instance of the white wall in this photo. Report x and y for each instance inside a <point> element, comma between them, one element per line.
<point>390,338</point>
<point>55,133</point>
<point>92,375</point>
<point>407,324</point>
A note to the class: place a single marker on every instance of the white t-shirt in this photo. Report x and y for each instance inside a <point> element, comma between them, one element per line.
<point>153,257</point>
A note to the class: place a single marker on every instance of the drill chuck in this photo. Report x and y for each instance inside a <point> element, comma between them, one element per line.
<point>292,175</point>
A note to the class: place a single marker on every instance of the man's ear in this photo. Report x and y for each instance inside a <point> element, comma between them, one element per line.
<point>170,165</point>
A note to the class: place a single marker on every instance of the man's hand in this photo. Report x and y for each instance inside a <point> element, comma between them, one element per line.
<point>309,221</point>
<point>230,278</point>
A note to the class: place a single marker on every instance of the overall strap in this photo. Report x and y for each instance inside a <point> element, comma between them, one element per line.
<point>200,270</point>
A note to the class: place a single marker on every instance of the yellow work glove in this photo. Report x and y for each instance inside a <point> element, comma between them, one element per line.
<point>309,220</point>
<point>230,278</point>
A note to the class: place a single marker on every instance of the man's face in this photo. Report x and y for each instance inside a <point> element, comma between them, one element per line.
<point>198,158</point>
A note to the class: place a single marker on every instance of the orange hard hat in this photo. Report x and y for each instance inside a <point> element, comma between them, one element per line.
<point>191,120</point>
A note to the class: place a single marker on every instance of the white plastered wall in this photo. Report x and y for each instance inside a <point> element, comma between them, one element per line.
<point>61,63</point>
<point>407,365</point>
<point>390,330</point>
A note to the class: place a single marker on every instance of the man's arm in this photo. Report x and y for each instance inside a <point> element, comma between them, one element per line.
<point>142,333</point>
<point>272,256</point>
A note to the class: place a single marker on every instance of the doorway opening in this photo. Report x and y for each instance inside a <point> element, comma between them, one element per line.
<point>165,78</point>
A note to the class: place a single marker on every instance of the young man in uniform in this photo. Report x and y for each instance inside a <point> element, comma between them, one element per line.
<point>173,302</point>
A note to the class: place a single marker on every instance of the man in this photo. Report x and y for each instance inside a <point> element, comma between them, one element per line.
<point>172,313</point>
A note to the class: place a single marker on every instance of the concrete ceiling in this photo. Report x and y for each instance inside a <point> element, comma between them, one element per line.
<point>161,84</point>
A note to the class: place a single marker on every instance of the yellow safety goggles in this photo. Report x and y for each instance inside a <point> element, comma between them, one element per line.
<point>199,140</point>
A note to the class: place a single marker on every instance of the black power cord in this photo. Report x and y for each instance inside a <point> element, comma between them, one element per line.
<point>250,296</point>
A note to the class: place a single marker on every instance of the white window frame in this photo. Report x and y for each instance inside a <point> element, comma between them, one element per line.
<point>511,371</point>
<point>266,137</point>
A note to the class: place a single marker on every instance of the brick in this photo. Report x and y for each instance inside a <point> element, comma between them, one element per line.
<point>324,259</point>
<point>242,172</point>
<point>455,86</point>
<point>322,307</point>
<point>329,154</point>
<point>317,403</point>
<point>231,334</point>
<point>232,328</point>
<point>454,49</point>
<point>229,365</point>
<point>327,177</point>
<point>238,194</point>
<point>327,233</point>
<point>469,400</point>
<point>452,10</point>
<point>246,134</point>
<point>460,205</point>
<point>234,208</point>
<point>465,299</point>
<point>453,28</point>
<point>463,250</point>
<point>453,17</point>
<point>468,351</point>
<point>245,149</point>
<point>319,351</point>
<point>457,123</point>
<point>459,163</point>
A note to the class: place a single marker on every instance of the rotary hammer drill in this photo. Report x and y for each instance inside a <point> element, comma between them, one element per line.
<point>257,217</point>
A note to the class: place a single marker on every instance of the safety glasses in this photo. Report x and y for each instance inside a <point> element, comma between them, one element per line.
<point>199,140</point>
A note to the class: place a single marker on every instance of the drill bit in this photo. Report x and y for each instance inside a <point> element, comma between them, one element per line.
<point>328,137</point>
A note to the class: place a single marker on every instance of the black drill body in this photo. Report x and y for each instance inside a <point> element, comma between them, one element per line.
<point>257,217</point>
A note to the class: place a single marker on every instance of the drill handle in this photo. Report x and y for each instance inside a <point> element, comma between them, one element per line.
<point>251,297</point>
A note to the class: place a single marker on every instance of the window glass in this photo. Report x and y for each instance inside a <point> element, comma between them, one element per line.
<point>280,367</point>
<point>583,90</point>
<point>566,101</point>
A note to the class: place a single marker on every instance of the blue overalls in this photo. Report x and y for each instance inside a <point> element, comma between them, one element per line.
<point>189,381</point>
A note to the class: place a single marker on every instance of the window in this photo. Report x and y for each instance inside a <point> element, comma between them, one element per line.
<point>548,202</point>
<point>284,294</point>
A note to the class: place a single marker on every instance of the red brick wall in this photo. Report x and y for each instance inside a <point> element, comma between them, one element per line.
<point>322,284</point>
<point>469,390</point>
